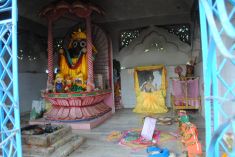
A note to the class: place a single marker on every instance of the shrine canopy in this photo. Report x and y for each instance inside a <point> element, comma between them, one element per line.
<point>69,8</point>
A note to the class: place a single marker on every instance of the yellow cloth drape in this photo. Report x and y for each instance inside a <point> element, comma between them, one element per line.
<point>66,70</point>
<point>154,102</point>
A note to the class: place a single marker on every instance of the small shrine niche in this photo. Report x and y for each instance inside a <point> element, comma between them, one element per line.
<point>81,89</point>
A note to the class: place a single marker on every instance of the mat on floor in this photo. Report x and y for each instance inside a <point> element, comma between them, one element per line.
<point>132,138</point>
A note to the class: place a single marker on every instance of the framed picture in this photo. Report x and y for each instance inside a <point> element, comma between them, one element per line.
<point>150,88</point>
<point>150,80</point>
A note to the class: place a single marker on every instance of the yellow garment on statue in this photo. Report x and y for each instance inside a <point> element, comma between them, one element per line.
<point>66,70</point>
<point>150,103</point>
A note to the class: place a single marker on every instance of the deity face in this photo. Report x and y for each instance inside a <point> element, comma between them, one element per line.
<point>59,80</point>
<point>190,69</point>
<point>61,51</point>
<point>78,82</point>
<point>78,45</point>
<point>68,81</point>
<point>150,79</point>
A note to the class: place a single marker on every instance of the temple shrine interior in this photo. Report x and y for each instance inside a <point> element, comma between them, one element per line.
<point>108,78</point>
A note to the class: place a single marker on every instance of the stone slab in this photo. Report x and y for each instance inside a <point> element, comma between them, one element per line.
<point>45,140</point>
<point>82,125</point>
<point>64,146</point>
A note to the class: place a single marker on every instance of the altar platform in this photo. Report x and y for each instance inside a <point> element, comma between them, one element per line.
<point>76,125</point>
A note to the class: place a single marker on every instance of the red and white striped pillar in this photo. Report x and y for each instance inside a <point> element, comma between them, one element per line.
<point>90,77</point>
<point>50,53</point>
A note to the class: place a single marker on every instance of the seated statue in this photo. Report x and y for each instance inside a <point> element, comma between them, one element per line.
<point>68,83</point>
<point>59,83</point>
<point>78,84</point>
<point>190,68</point>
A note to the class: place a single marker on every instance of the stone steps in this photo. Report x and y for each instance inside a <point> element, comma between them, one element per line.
<point>60,148</point>
<point>68,148</point>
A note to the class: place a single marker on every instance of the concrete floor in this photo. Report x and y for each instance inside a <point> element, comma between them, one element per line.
<point>96,144</point>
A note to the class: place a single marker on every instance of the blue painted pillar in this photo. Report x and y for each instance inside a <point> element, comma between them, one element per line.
<point>9,95</point>
<point>1,102</point>
<point>14,14</point>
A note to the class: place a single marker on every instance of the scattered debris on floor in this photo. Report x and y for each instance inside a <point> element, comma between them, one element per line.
<point>186,138</point>
<point>163,120</point>
<point>114,136</point>
<point>154,151</point>
<point>133,140</point>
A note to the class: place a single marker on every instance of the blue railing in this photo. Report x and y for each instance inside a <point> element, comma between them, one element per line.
<point>218,45</point>
<point>9,96</point>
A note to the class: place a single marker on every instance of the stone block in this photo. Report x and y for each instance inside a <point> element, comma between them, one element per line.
<point>61,148</point>
<point>45,140</point>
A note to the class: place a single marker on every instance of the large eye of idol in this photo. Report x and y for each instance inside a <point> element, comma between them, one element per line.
<point>83,43</point>
<point>75,44</point>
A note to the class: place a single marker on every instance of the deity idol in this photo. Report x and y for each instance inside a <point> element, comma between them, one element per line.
<point>73,59</point>
<point>59,84</point>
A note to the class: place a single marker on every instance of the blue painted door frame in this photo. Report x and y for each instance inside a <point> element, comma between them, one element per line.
<point>218,44</point>
<point>9,96</point>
